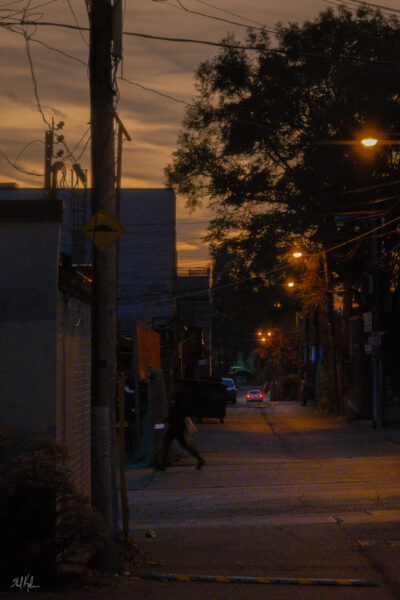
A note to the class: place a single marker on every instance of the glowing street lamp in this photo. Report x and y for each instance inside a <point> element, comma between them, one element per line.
<point>290,284</point>
<point>297,254</point>
<point>369,142</point>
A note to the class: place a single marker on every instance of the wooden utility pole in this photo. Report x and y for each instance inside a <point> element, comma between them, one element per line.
<point>104,307</point>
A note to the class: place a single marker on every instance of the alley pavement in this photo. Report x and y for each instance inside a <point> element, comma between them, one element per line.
<point>290,504</point>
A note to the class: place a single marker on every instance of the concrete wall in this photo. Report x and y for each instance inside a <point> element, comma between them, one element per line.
<point>74,385</point>
<point>28,291</point>
<point>147,257</point>
<point>147,264</point>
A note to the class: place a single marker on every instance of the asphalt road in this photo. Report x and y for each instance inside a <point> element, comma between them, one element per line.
<point>286,493</point>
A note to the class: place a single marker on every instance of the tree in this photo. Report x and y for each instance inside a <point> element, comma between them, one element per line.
<point>271,141</point>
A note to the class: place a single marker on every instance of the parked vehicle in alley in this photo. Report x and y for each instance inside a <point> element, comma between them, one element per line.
<point>205,399</point>
<point>230,389</point>
<point>254,396</point>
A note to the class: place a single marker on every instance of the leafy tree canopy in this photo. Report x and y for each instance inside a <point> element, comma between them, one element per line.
<point>272,142</point>
<point>272,139</point>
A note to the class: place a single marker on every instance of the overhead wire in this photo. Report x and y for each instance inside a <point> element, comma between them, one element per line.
<point>77,22</point>
<point>154,91</point>
<point>25,148</point>
<point>361,3</point>
<point>208,16</point>
<point>277,269</point>
<point>34,81</point>
<point>18,168</point>
<point>48,47</point>
<point>228,12</point>
<point>227,45</point>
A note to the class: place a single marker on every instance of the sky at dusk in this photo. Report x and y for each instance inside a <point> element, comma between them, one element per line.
<point>54,61</point>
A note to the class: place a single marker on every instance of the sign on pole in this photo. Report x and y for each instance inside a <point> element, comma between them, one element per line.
<point>103,229</point>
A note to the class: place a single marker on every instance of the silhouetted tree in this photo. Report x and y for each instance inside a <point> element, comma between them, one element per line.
<point>271,142</point>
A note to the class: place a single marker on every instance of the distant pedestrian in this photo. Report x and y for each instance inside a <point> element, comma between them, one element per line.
<point>306,393</point>
<point>177,429</point>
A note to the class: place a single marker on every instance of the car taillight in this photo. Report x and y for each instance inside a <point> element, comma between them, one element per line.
<point>248,396</point>
<point>260,396</point>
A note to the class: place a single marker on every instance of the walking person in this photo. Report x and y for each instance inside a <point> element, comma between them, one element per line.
<point>306,393</point>
<point>177,429</point>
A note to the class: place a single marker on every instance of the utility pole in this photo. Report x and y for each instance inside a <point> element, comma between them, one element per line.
<point>104,306</point>
<point>48,159</point>
<point>376,334</point>
<point>331,326</point>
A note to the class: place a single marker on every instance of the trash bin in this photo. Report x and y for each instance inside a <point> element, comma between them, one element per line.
<point>206,399</point>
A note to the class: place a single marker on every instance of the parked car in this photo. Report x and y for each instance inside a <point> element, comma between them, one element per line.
<point>230,389</point>
<point>254,396</point>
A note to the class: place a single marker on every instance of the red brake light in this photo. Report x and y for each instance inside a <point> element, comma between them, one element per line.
<point>260,396</point>
<point>248,395</point>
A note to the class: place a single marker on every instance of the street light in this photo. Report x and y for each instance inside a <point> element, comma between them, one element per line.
<point>369,142</point>
<point>290,284</point>
<point>377,392</point>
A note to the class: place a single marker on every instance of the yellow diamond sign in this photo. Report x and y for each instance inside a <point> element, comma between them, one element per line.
<point>103,229</point>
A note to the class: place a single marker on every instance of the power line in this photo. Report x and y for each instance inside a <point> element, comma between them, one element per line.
<point>276,269</point>
<point>48,47</point>
<point>228,12</point>
<point>20,169</point>
<point>154,91</point>
<point>35,87</point>
<point>226,45</point>
<point>195,12</point>
<point>379,6</point>
<point>77,22</point>
<point>26,147</point>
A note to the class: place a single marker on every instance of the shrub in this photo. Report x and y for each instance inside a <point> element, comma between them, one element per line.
<point>43,517</point>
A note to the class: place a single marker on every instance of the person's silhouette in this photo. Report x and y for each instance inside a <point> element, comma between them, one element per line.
<point>177,427</point>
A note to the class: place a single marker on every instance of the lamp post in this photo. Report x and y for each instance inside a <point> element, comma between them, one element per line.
<point>377,396</point>
<point>331,330</point>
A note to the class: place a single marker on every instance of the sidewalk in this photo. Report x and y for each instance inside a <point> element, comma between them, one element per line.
<point>254,513</point>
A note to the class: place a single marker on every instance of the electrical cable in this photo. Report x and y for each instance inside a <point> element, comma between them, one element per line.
<point>84,148</point>
<point>378,6</point>
<point>77,22</point>
<point>154,91</point>
<point>48,47</point>
<point>276,269</point>
<point>35,87</point>
<point>20,169</point>
<point>226,45</point>
<point>26,147</point>
<point>228,12</point>
<point>195,12</point>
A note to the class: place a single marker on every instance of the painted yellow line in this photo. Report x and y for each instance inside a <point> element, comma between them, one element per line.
<point>261,580</point>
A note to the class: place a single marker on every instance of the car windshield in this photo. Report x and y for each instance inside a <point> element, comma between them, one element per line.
<point>228,382</point>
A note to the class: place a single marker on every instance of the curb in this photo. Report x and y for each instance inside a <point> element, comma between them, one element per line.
<point>262,580</point>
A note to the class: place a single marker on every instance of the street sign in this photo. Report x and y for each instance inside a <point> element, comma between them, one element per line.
<point>103,229</point>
